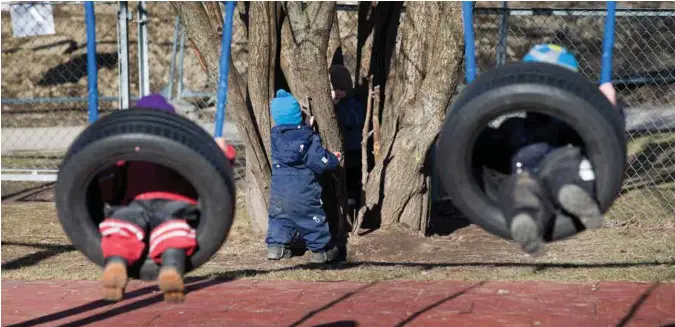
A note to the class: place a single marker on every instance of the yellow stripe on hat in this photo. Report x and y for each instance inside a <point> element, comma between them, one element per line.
<point>555,47</point>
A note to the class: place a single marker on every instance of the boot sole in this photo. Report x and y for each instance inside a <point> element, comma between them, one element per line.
<point>575,200</point>
<point>114,281</point>
<point>171,284</point>
<point>525,232</point>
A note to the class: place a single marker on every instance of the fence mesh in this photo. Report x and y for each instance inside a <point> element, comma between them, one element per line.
<point>41,73</point>
<point>46,69</point>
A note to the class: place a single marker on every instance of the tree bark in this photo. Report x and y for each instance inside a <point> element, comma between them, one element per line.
<point>200,31</point>
<point>376,48</point>
<point>334,52</point>
<point>262,49</point>
<point>427,69</point>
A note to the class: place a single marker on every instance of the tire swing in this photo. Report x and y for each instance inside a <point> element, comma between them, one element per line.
<point>151,136</point>
<point>533,87</point>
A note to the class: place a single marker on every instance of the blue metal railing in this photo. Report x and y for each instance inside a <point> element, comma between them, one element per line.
<point>92,70</point>
<point>608,43</point>
<point>469,41</point>
<point>224,68</point>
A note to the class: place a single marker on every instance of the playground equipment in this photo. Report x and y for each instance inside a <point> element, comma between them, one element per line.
<point>533,87</point>
<point>156,137</point>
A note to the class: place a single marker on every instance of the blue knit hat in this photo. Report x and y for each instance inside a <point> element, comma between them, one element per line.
<point>553,54</point>
<point>286,109</point>
<point>155,101</point>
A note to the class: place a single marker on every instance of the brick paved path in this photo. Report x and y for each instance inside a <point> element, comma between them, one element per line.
<point>343,304</point>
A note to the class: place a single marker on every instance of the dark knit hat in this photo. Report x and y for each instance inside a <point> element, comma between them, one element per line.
<point>155,101</point>
<point>341,79</point>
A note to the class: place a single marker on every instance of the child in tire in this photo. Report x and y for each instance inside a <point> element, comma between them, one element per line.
<point>549,173</point>
<point>148,198</point>
<point>298,158</point>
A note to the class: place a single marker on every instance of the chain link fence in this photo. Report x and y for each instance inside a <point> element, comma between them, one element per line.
<point>42,75</point>
<point>44,84</point>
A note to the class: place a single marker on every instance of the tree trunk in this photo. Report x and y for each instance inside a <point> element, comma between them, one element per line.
<point>200,31</point>
<point>376,41</point>
<point>426,70</point>
<point>262,49</point>
<point>416,77</point>
<point>334,52</point>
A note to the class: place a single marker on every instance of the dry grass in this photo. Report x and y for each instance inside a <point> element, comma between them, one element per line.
<point>40,250</point>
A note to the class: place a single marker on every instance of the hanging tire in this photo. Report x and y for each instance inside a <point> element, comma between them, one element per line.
<point>151,136</point>
<point>532,87</point>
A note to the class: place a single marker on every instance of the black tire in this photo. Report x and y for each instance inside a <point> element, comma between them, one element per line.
<point>152,136</point>
<point>533,87</point>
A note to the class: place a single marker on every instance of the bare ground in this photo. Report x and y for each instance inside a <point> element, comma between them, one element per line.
<point>35,247</point>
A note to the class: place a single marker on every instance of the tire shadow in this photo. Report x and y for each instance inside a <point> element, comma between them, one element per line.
<point>46,251</point>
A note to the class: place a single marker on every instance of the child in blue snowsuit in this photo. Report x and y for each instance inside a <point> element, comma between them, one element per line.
<point>298,159</point>
<point>547,167</point>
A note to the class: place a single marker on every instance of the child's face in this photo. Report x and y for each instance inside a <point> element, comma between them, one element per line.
<point>337,95</point>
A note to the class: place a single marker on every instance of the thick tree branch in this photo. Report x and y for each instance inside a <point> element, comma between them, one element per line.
<point>297,21</point>
<point>428,61</point>
<point>206,40</point>
<point>262,57</point>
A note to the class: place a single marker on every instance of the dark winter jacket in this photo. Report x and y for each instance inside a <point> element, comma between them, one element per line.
<point>537,135</point>
<point>352,117</point>
<point>298,158</point>
<point>137,180</point>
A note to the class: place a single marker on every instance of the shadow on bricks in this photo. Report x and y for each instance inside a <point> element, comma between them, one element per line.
<point>638,303</point>
<point>194,284</point>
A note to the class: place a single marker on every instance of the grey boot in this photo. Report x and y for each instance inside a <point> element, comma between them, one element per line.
<point>569,176</point>
<point>527,210</point>
<point>275,252</point>
<point>324,257</point>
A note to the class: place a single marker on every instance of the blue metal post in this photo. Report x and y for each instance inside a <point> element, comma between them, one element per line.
<point>469,43</point>
<point>503,31</point>
<point>224,68</point>
<point>92,70</point>
<point>608,43</point>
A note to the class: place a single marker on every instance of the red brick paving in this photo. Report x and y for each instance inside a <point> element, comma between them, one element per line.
<point>343,304</point>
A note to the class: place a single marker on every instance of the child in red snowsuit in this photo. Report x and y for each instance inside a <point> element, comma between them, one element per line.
<point>154,208</point>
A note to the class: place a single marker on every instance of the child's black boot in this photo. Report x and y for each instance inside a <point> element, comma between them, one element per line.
<point>171,275</point>
<point>527,210</point>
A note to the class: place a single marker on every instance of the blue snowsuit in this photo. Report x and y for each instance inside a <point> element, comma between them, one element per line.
<point>352,117</point>
<point>298,159</point>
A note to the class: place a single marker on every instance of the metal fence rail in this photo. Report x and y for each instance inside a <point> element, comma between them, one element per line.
<point>44,86</point>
